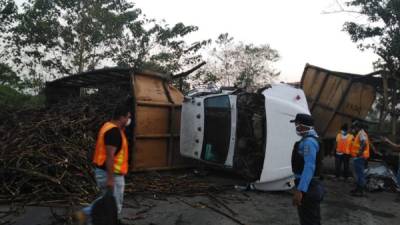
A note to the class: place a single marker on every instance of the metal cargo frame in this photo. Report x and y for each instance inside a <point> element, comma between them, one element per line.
<point>335,98</point>
<point>157,108</point>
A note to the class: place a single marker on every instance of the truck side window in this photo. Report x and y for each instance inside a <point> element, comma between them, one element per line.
<point>217,129</point>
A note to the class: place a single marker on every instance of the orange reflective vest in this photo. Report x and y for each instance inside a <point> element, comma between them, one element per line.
<point>355,147</point>
<point>120,159</point>
<point>343,143</point>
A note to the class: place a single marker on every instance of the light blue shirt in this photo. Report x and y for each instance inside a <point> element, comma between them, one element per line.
<point>308,148</point>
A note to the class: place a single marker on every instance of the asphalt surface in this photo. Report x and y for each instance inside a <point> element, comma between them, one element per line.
<point>237,207</point>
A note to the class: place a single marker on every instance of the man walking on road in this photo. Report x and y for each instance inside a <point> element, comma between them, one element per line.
<point>306,165</point>
<point>111,159</point>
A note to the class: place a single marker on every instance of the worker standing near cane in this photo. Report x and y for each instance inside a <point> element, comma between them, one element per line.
<point>306,165</point>
<point>359,153</point>
<point>110,159</point>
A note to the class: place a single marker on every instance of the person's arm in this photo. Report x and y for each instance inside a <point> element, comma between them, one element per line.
<point>362,147</point>
<point>110,165</point>
<point>363,144</point>
<point>395,146</point>
<point>374,150</point>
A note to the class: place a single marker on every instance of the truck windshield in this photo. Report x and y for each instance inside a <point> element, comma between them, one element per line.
<point>217,129</point>
<point>250,135</point>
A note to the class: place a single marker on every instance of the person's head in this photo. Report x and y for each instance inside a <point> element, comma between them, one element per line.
<point>303,123</point>
<point>356,126</point>
<point>365,127</point>
<point>344,128</point>
<point>122,114</point>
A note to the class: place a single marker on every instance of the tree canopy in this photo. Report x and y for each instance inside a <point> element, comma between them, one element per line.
<point>380,32</point>
<point>8,9</point>
<point>8,77</point>
<point>239,64</point>
<point>53,38</point>
<point>48,39</point>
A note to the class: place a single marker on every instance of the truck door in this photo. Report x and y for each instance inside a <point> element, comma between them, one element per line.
<point>217,129</point>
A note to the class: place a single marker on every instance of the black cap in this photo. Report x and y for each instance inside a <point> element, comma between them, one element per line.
<point>357,124</point>
<point>304,119</point>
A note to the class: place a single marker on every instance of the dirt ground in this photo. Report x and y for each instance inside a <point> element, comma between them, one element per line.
<point>240,207</point>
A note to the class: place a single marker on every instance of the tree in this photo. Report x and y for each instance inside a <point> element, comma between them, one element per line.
<point>61,37</point>
<point>239,64</point>
<point>255,65</point>
<point>156,45</point>
<point>55,38</point>
<point>8,77</point>
<point>381,33</point>
<point>8,10</point>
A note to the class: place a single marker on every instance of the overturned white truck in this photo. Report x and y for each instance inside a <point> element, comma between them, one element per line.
<point>248,133</point>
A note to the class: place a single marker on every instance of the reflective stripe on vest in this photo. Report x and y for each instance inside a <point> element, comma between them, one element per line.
<point>355,147</point>
<point>120,159</point>
<point>343,143</point>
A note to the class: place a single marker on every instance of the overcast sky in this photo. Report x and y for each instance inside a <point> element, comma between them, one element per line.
<point>297,29</point>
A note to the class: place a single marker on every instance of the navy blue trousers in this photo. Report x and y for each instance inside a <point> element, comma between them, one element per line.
<point>310,211</point>
<point>339,161</point>
<point>359,166</point>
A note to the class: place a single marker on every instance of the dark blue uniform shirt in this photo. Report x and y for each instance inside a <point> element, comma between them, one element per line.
<point>308,148</point>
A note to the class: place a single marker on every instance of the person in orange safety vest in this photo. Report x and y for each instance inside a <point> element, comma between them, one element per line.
<point>110,159</point>
<point>344,141</point>
<point>360,153</point>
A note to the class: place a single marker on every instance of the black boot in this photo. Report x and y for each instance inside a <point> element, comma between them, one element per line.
<point>359,192</point>
<point>398,198</point>
<point>355,190</point>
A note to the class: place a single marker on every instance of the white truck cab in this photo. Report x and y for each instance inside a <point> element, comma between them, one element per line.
<point>248,133</point>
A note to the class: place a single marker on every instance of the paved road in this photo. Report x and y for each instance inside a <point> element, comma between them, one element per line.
<point>251,208</point>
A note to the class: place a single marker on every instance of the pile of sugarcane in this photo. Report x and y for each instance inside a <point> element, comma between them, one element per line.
<point>44,152</point>
<point>182,183</point>
<point>44,155</point>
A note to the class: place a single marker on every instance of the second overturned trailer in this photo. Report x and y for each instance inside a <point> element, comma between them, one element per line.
<point>249,133</point>
<point>336,98</point>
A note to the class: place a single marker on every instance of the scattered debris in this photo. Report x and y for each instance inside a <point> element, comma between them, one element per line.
<point>7,216</point>
<point>159,185</point>
<point>203,205</point>
<point>140,214</point>
<point>381,178</point>
<point>219,202</point>
<point>222,213</point>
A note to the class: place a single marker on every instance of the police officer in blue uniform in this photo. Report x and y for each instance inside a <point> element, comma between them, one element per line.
<point>306,165</point>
